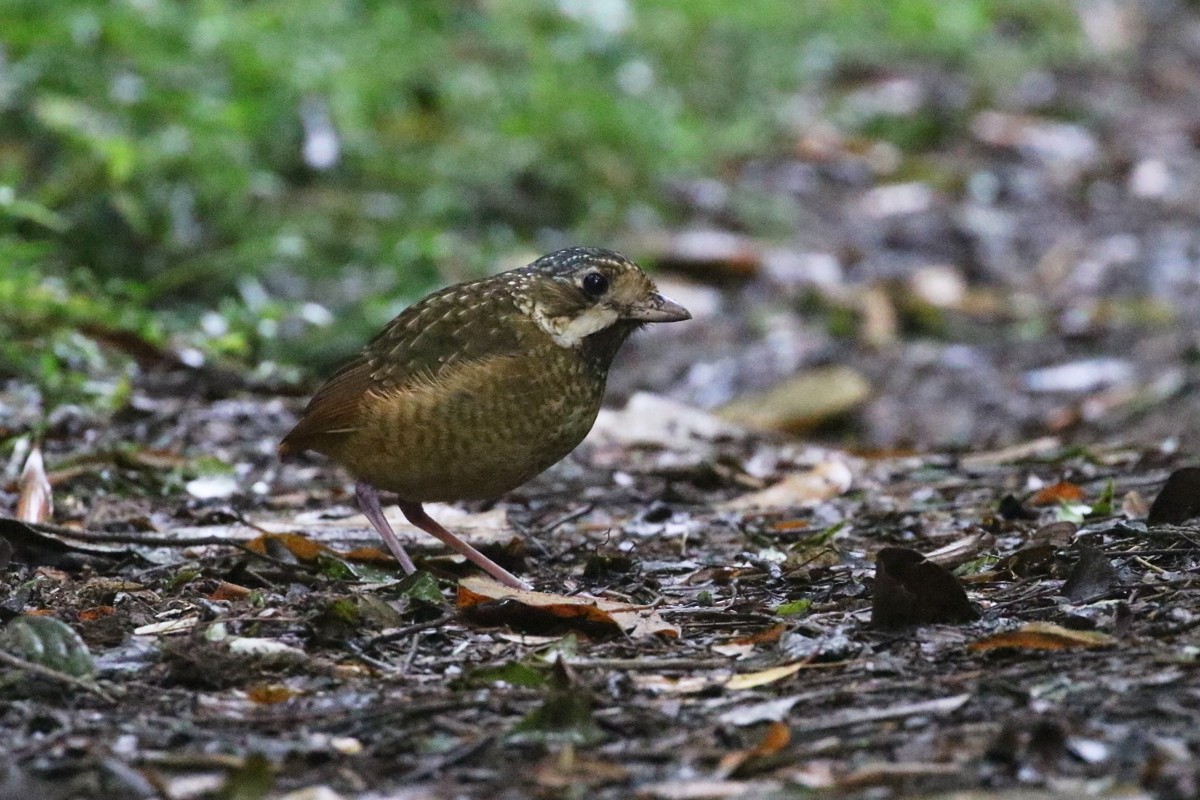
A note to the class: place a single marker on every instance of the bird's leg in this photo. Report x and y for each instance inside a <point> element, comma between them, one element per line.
<point>415,514</point>
<point>368,501</point>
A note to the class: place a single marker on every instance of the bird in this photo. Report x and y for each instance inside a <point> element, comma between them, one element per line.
<point>476,388</point>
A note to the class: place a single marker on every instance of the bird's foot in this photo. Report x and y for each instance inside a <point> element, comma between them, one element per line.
<point>415,514</point>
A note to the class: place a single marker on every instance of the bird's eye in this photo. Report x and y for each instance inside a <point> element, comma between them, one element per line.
<point>595,284</point>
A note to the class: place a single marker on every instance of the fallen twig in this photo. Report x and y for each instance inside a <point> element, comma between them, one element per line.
<point>41,670</point>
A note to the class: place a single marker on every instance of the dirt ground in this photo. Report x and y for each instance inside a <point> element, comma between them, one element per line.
<point>1014,318</point>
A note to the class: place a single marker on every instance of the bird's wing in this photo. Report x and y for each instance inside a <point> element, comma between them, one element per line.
<point>438,332</point>
<point>444,329</point>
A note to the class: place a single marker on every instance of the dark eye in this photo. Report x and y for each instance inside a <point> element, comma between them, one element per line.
<point>595,284</point>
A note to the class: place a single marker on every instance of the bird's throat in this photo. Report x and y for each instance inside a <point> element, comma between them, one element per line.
<point>570,330</point>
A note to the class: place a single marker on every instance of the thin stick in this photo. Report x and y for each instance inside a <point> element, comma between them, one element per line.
<point>125,538</point>
<point>43,671</point>
<point>650,665</point>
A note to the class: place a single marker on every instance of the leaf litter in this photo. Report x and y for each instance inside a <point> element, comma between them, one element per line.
<point>742,645</point>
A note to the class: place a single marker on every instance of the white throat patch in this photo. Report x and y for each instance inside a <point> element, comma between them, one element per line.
<point>571,331</point>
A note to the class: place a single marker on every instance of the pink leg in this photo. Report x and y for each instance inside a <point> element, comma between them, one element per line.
<point>415,514</point>
<point>368,501</point>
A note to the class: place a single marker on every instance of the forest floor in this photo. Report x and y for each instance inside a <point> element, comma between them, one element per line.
<point>988,356</point>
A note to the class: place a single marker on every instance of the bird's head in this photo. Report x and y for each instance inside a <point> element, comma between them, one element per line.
<point>575,293</point>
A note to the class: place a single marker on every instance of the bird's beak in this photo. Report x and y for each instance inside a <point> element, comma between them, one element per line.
<point>656,308</point>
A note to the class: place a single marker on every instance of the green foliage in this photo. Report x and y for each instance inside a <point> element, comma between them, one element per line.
<point>246,157</point>
<point>514,673</point>
<point>49,642</point>
<point>794,608</point>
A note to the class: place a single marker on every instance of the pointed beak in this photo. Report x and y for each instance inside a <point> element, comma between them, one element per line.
<point>657,308</point>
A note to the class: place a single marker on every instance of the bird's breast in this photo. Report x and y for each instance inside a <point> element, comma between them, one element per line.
<point>479,428</point>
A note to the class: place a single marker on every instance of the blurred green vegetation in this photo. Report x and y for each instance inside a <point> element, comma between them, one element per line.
<point>226,174</point>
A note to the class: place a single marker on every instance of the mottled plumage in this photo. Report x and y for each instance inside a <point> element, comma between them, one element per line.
<point>478,387</point>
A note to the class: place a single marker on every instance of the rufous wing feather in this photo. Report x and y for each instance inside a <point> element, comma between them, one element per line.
<point>333,410</point>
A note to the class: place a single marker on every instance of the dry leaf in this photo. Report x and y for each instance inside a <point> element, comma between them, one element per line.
<point>707,789</point>
<point>1061,492</point>
<point>765,636</point>
<point>269,694</point>
<point>577,773</point>
<point>673,684</point>
<point>35,500</point>
<point>95,613</point>
<point>823,482</point>
<point>733,650</point>
<point>477,594</point>
<point>655,420</point>
<point>769,711</point>
<point>909,590</point>
<point>801,402</point>
<point>890,773</point>
<point>750,680</point>
<point>1134,506</point>
<point>1179,499</point>
<point>369,555</point>
<point>297,544</point>
<point>1043,636</point>
<point>776,738</point>
<point>171,626</point>
<point>229,591</point>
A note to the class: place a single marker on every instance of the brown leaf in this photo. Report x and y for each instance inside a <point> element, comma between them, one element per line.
<point>577,773</point>
<point>486,599</point>
<point>1092,578</point>
<point>909,590</point>
<point>229,591</point>
<point>35,500</point>
<point>1134,506</point>
<point>95,613</point>
<point>801,402</point>
<point>269,694</point>
<point>766,636</point>
<point>823,482</point>
<point>776,737</point>
<point>1179,499</point>
<point>1027,562</point>
<point>369,555</point>
<point>1043,636</point>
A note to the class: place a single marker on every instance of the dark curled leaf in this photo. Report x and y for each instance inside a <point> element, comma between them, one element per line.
<point>1093,577</point>
<point>910,590</point>
<point>1179,499</point>
<point>1011,508</point>
<point>25,545</point>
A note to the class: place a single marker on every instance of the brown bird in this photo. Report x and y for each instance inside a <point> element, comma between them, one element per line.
<point>477,388</point>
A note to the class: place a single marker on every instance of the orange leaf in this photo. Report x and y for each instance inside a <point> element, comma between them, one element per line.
<point>269,694</point>
<point>229,591</point>
<point>1061,492</point>
<point>370,555</point>
<point>766,636</point>
<point>297,544</point>
<point>95,613</point>
<point>475,593</point>
<point>776,737</point>
<point>1043,636</point>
